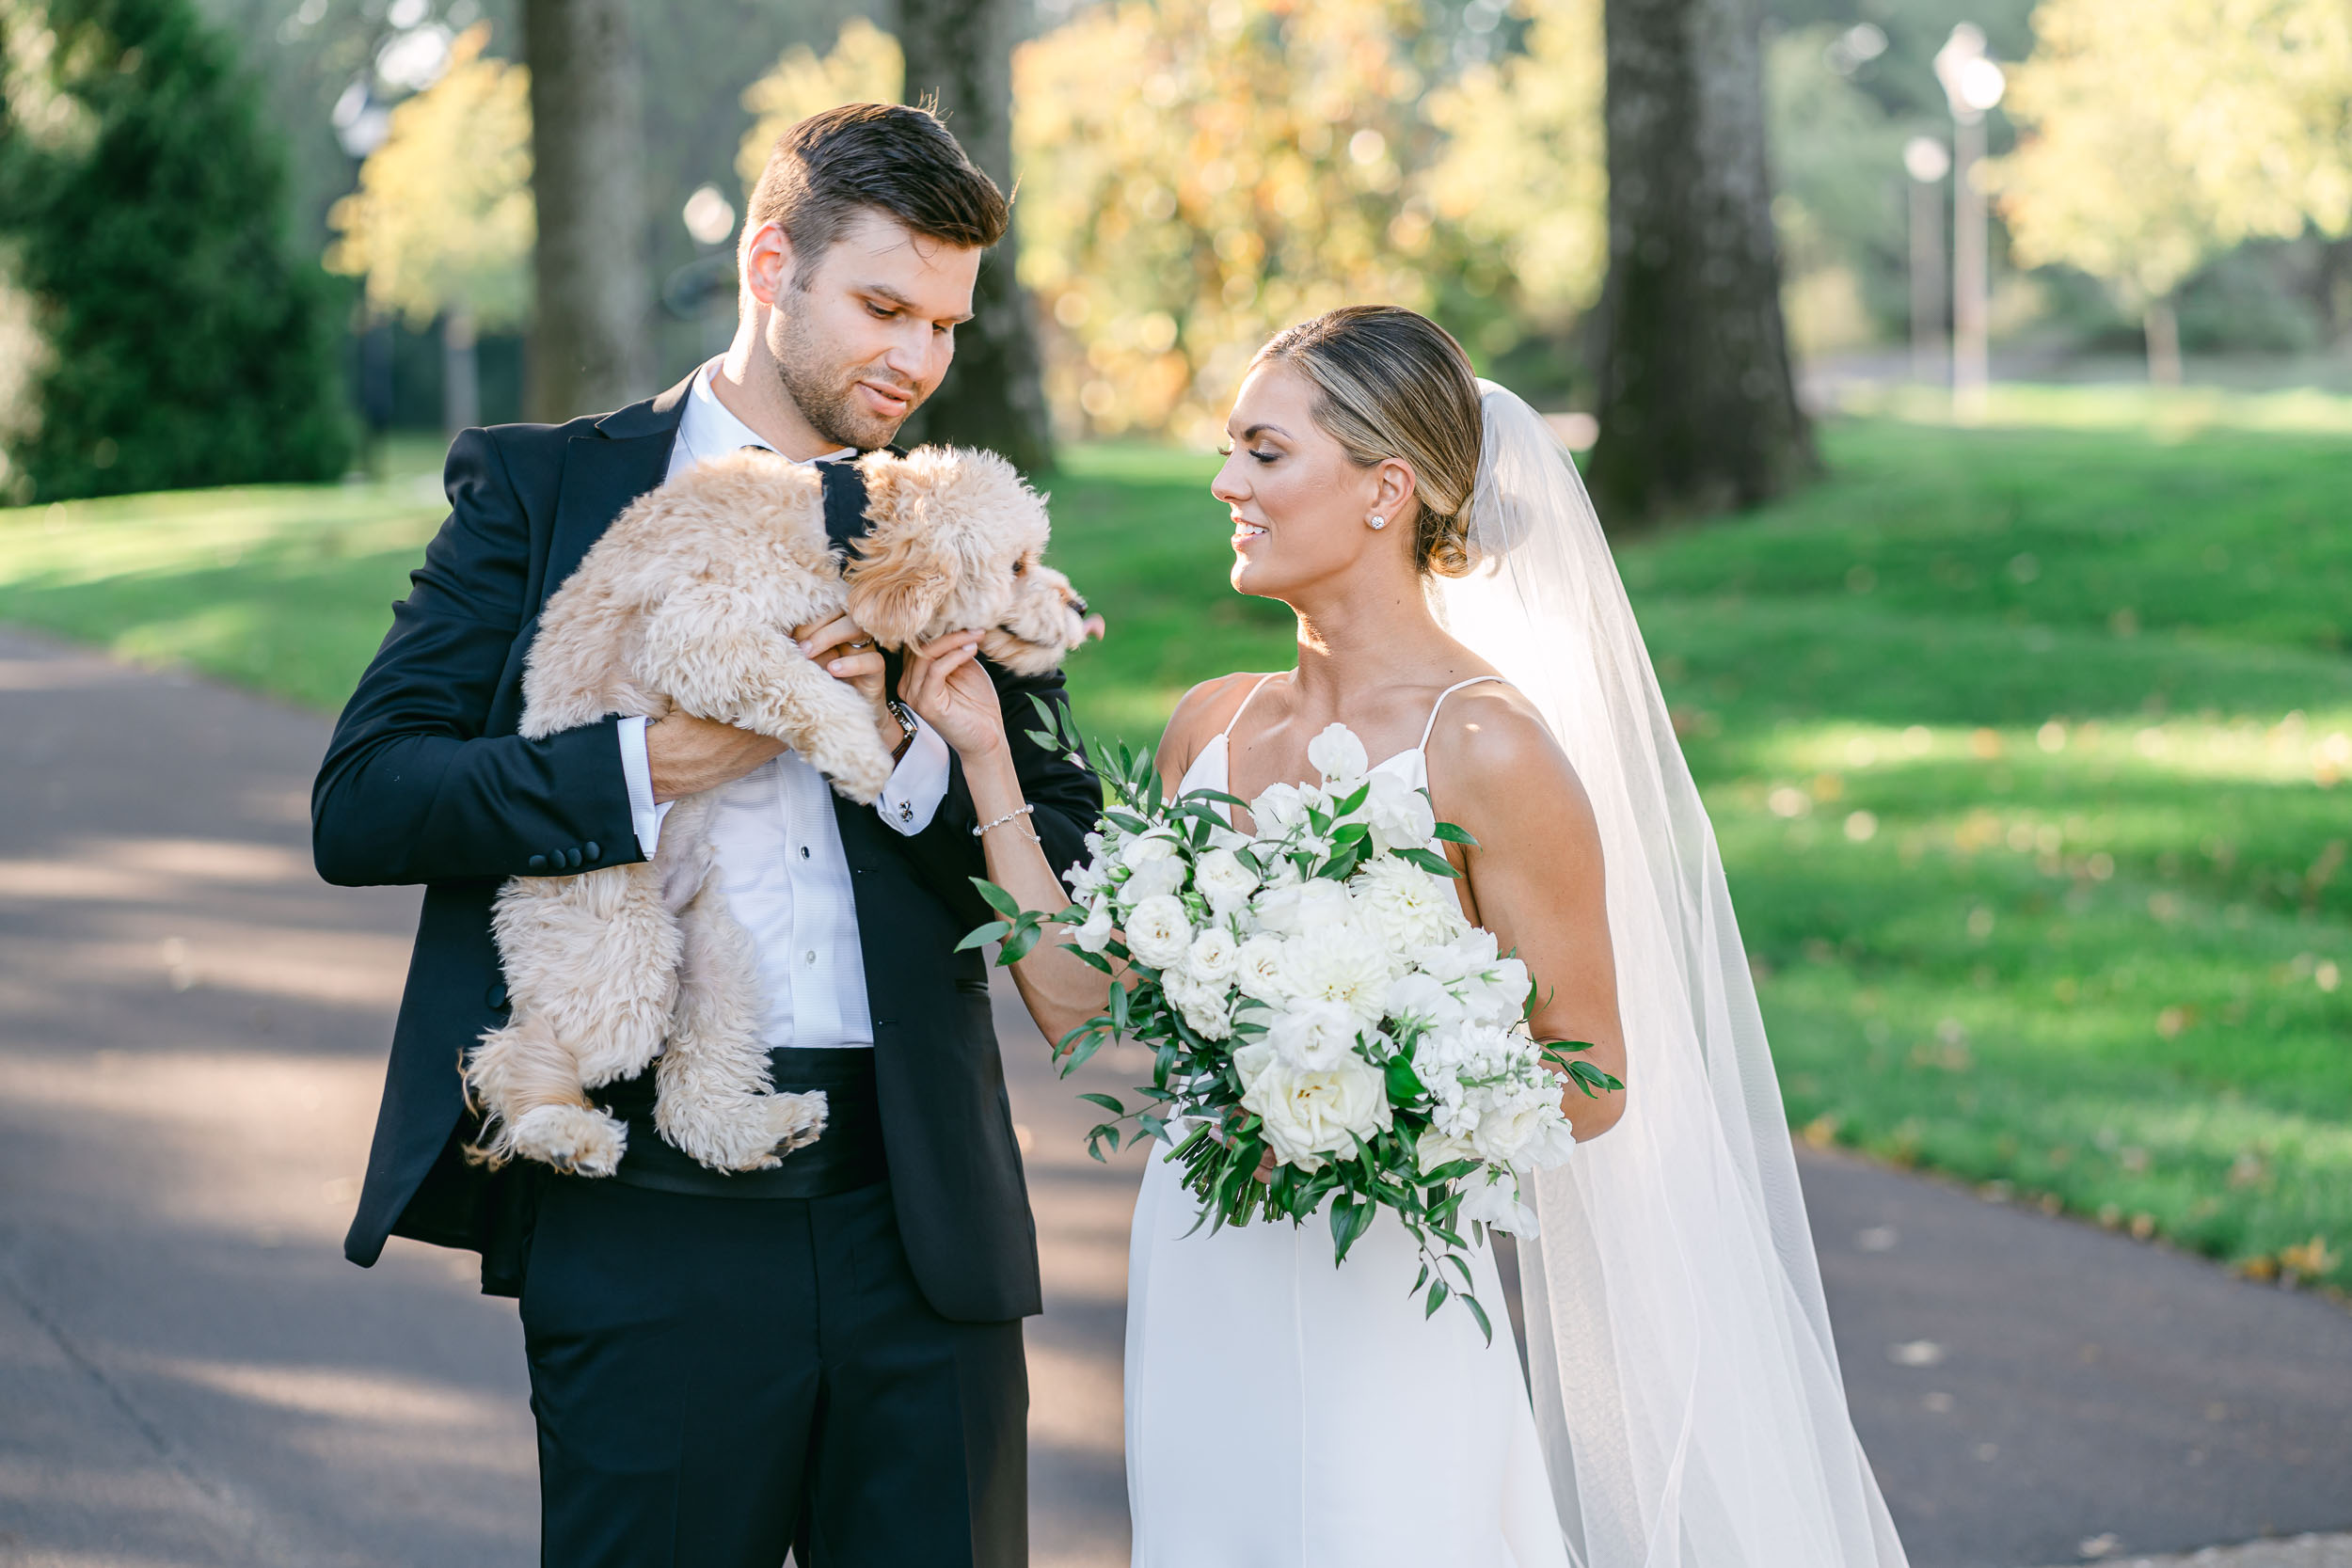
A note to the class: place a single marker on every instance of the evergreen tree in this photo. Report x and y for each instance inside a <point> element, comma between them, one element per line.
<point>143,207</point>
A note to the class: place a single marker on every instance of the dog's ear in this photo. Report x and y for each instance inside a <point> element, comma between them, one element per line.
<point>902,572</point>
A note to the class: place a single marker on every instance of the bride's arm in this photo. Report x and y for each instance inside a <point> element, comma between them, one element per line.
<point>1535,877</point>
<point>945,684</point>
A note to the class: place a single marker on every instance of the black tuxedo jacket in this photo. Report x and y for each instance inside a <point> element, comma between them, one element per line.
<point>426,781</point>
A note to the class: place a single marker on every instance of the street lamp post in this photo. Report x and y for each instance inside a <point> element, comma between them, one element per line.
<point>1927,160</point>
<point>1972,84</point>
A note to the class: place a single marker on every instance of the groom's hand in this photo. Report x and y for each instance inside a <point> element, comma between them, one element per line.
<point>686,755</point>
<point>849,656</point>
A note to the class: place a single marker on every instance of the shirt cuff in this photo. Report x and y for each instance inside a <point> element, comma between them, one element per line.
<point>637,770</point>
<point>910,798</point>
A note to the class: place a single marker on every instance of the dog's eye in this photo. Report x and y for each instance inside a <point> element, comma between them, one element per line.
<point>1020,566</point>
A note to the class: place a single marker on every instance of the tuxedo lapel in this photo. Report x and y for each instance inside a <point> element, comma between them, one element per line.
<point>627,454</point>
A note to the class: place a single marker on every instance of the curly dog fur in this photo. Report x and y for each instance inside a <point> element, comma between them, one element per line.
<point>688,604</point>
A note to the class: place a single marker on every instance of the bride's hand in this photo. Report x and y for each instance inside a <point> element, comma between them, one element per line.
<point>943,682</point>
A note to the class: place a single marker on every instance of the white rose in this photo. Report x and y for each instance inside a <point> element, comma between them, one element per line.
<point>1338,960</point>
<point>1493,1198</point>
<point>1213,955</point>
<point>1338,755</point>
<point>1436,1149</point>
<point>1400,814</point>
<point>1505,1131</point>
<point>1308,1114</point>
<point>1259,966</point>
<point>1224,880</point>
<point>1158,932</point>
<point>1154,869</point>
<point>1095,934</point>
<point>1311,1036</point>
<point>1202,1002</point>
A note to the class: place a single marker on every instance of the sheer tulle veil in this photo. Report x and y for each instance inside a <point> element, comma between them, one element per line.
<point>1684,1379</point>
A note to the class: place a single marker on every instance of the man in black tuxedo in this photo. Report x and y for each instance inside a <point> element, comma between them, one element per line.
<point>826,1355</point>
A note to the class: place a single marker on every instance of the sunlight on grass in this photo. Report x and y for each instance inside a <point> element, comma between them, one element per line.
<point>2175,412</point>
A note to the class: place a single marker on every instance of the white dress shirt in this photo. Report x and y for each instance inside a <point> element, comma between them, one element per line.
<point>778,848</point>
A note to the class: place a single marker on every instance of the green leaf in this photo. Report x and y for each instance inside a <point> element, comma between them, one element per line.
<point>1404,1085</point>
<point>999,899</point>
<point>983,936</point>
<point>1431,861</point>
<point>1437,1293</point>
<point>1480,1313</point>
<point>1113,1106</point>
<point>1452,834</point>
<point>1017,947</point>
<point>1350,802</point>
<point>1092,960</point>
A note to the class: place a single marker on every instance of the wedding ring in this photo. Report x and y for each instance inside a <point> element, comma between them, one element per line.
<point>856,645</point>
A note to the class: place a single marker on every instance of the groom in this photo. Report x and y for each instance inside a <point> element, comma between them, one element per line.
<point>825,1355</point>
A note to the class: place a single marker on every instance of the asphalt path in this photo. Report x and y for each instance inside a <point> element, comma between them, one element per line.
<point>192,1034</point>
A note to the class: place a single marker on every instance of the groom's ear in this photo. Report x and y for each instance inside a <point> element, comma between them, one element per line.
<point>767,261</point>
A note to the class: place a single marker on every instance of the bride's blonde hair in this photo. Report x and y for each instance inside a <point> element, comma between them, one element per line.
<point>1393,384</point>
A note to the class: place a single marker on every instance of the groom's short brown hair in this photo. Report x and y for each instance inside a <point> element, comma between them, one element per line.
<point>884,156</point>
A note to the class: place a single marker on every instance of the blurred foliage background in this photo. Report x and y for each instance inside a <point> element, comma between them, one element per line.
<point>1193,173</point>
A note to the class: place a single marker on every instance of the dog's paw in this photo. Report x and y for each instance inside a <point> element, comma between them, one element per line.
<point>860,769</point>
<point>578,1140</point>
<point>795,1120</point>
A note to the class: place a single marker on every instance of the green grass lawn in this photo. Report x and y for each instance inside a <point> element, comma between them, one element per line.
<point>2030,746</point>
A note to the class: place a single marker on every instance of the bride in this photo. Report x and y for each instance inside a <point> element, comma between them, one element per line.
<point>1458,610</point>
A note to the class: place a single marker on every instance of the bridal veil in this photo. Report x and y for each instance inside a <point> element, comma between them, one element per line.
<point>1684,1379</point>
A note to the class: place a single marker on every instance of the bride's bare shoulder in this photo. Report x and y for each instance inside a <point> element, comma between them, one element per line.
<point>1491,747</point>
<point>1200,714</point>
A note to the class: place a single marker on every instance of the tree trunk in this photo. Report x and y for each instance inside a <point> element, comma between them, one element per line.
<point>591,336</point>
<point>1698,407</point>
<point>461,377</point>
<point>2163,331</point>
<point>993,397</point>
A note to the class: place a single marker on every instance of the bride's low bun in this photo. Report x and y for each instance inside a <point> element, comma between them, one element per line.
<point>1393,384</point>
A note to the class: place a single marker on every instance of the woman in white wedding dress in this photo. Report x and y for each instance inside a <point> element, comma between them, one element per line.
<point>1458,610</point>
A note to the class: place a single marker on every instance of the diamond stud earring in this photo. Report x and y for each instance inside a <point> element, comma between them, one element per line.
<point>1378,521</point>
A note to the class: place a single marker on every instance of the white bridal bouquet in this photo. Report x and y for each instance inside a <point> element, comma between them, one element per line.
<point>1311,991</point>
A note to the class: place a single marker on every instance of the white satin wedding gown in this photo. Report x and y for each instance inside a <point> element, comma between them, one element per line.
<point>1285,1413</point>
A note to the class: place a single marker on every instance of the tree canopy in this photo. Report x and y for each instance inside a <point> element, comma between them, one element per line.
<point>443,219</point>
<point>143,204</point>
<point>2160,132</point>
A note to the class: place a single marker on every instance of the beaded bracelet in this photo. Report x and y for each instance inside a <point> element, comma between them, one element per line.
<point>1017,811</point>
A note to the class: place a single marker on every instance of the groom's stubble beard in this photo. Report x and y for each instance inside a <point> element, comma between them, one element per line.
<point>825,390</point>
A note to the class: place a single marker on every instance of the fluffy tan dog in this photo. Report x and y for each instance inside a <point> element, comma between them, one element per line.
<point>688,602</point>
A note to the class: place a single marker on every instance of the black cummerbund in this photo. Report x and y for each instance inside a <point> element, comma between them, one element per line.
<point>847,1156</point>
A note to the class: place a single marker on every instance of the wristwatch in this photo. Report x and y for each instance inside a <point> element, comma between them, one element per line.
<point>905,716</point>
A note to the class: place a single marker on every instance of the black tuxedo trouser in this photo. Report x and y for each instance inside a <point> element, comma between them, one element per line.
<point>717,1379</point>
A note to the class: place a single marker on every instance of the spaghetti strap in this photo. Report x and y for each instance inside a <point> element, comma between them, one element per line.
<point>1431,728</point>
<point>1226,734</point>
